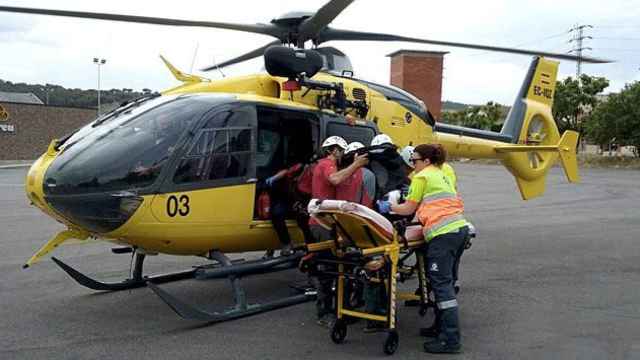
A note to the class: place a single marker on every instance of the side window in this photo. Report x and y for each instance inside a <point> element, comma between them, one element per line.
<point>350,133</point>
<point>221,149</point>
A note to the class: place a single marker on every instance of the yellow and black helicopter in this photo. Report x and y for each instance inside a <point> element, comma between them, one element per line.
<point>177,172</point>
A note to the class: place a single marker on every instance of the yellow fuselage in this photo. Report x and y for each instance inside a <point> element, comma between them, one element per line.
<point>222,218</point>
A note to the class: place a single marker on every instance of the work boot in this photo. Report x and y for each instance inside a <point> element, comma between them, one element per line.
<point>449,339</point>
<point>373,327</point>
<point>441,346</point>
<point>326,320</point>
<point>286,250</point>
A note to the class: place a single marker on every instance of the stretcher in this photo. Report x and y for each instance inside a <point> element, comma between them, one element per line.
<point>362,235</point>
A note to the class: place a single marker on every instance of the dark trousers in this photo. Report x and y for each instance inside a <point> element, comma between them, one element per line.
<point>279,212</point>
<point>443,253</point>
<point>375,298</point>
<point>278,218</point>
<point>456,264</point>
<point>322,283</point>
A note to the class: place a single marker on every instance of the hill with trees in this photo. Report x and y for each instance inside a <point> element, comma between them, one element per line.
<point>58,95</point>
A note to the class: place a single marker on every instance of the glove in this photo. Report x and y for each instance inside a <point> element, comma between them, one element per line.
<point>270,181</point>
<point>384,207</point>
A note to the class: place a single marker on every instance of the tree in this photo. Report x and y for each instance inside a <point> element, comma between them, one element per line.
<point>617,119</point>
<point>574,99</point>
<point>486,117</point>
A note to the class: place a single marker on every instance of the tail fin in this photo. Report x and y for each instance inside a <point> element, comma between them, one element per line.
<point>534,134</point>
<point>568,159</point>
<point>538,88</point>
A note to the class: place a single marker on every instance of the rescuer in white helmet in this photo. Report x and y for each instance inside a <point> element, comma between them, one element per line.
<point>381,139</point>
<point>405,154</point>
<point>326,177</point>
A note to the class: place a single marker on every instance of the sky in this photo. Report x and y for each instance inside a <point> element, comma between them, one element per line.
<point>57,50</point>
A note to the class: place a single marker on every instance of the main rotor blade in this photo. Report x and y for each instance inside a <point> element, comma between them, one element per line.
<point>312,26</point>
<point>347,35</point>
<point>265,29</point>
<point>248,56</point>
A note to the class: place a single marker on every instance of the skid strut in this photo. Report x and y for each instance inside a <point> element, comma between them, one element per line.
<point>137,279</point>
<point>234,272</point>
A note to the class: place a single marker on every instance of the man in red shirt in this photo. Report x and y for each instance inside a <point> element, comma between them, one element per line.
<point>323,187</point>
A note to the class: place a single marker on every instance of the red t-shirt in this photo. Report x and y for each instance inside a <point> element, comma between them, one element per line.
<point>321,188</point>
<point>351,188</point>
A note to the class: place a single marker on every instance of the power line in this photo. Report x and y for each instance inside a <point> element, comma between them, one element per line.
<point>612,49</point>
<point>613,38</point>
<point>617,26</point>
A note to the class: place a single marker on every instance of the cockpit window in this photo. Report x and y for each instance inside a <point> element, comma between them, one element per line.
<point>125,154</point>
<point>221,149</point>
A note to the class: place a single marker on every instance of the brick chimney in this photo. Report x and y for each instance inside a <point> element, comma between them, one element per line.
<point>420,73</point>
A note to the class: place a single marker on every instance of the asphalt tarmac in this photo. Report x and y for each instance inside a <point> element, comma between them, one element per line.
<point>552,278</point>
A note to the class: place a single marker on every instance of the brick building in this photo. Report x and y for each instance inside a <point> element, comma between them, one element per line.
<point>420,73</point>
<point>27,128</point>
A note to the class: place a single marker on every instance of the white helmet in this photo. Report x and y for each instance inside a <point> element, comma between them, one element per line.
<point>381,139</point>
<point>353,147</point>
<point>335,140</point>
<point>406,153</point>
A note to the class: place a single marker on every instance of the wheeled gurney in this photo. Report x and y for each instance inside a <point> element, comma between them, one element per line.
<point>361,234</point>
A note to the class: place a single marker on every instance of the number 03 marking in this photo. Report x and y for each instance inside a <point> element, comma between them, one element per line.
<point>178,206</point>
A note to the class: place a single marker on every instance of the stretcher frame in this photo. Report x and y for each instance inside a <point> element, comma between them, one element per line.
<point>347,246</point>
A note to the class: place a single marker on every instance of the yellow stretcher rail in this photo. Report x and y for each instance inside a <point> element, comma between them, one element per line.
<point>358,241</point>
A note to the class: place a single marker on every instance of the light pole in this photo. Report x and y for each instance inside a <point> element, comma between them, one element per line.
<point>99,62</point>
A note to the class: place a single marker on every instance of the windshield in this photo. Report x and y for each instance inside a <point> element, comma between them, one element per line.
<point>127,152</point>
<point>107,121</point>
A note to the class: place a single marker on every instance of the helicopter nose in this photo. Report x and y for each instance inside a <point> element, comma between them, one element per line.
<point>96,211</point>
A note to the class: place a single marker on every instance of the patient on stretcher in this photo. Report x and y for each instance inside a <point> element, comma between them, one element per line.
<point>381,229</point>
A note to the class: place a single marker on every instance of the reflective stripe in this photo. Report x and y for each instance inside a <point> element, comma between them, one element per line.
<point>447,304</point>
<point>441,224</point>
<point>439,196</point>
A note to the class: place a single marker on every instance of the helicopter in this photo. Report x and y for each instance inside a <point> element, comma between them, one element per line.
<point>178,172</point>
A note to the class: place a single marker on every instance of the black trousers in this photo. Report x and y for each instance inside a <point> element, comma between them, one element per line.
<point>279,212</point>
<point>322,283</point>
<point>443,254</point>
<point>278,218</point>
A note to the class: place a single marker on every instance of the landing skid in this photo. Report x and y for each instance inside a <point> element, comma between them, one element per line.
<point>136,281</point>
<point>190,312</point>
<point>233,272</point>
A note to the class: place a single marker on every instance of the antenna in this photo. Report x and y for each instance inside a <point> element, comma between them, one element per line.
<point>215,63</point>
<point>195,53</point>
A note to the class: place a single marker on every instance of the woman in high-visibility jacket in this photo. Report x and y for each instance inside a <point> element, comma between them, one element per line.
<point>439,208</point>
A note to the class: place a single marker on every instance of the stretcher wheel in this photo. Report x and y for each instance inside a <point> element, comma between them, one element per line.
<point>391,343</point>
<point>339,331</point>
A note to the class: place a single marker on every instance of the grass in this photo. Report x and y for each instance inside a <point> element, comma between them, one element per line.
<point>613,162</point>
